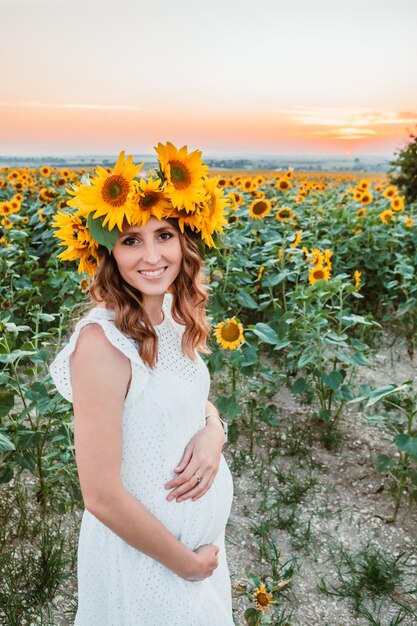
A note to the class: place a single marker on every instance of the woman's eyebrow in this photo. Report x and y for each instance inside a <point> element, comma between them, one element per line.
<point>157,230</point>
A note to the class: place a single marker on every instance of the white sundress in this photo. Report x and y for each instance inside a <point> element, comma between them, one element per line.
<point>117,584</point>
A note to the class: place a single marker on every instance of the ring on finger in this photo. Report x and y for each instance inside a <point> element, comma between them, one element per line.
<point>198,478</point>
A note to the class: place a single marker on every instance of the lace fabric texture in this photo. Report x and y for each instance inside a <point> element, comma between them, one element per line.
<point>164,408</point>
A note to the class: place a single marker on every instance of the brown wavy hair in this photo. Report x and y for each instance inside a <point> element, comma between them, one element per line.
<point>189,291</point>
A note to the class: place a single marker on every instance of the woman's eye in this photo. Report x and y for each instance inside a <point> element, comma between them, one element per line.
<point>129,241</point>
<point>166,236</point>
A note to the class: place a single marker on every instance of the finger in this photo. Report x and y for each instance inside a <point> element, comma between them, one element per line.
<point>186,458</point>
<point>187,478</point>
<point>196,492</point>
<point>190,488</point>
<point>185,486</point>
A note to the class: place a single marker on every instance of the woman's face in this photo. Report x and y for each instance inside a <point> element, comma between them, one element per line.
<point>149,257</point>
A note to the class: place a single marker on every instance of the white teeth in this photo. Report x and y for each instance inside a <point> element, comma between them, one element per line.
<point>155,273</point>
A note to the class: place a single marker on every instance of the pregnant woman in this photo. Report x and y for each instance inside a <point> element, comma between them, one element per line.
<point>156,488</point>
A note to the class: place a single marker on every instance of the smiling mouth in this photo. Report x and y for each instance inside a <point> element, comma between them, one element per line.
<point>154,273</point>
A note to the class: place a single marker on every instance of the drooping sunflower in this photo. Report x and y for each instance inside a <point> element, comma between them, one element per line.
<point>263,599</point>
<point>397,203</point>
<point>109,193</point>
<point>149,199</point>
<point>259,208</point>
<point>184,174</point>
<point>318,272</point>
<point>229,334</point>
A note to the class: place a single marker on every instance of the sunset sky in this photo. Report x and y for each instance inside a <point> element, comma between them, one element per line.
<point>229,77</point>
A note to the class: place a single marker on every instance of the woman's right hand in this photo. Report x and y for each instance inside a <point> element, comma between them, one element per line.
<point>205,562</point>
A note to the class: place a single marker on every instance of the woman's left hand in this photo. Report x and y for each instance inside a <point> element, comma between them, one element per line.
<point>201,459</point>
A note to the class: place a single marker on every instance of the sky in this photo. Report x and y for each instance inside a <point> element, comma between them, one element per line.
<point>229,77</point>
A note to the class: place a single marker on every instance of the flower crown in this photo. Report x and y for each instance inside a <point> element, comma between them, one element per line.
<point>181,189</point>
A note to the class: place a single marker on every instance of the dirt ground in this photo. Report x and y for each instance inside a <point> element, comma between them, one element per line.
<point>347,506</point>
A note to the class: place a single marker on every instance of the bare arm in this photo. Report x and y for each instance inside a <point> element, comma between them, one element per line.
<point>100,375</point>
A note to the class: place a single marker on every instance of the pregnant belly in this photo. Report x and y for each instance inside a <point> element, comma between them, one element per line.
<point>198,522</point>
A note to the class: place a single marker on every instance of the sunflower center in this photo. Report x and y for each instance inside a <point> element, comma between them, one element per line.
<point>284,213</point>
<point>230,332</point>
<point>149,200</point>
<point>318,274</point>
<point>180,176</point>
<point>115,190</point>
<point>259,207</point>
<point>262,599</point>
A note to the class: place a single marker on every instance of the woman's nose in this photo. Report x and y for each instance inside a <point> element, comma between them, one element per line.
<point>151,253</point>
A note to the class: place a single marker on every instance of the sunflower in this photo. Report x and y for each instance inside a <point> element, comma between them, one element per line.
<point>41,216</point>
<point>357,277</point>
<point>364,185</point>
<point>7,223</point>
<point>358,194</point>
<point>184,175</point>
<point>298,238</point>
<point>247,184</point>
<point>387,216</point>
<point>366,198</point>
<point>5,208</point>
<point>397,203</point>
<point>149,199</point>
<point>262,598</point>
<point>64,173</point>
<point>390,192</point>
<point>25,220</point>
<point>408,221</point>
<point>18,197</point>
<point>283,184</point>
<point>109,193</point>
<point>72,230</point>
<point>212,211</point>
<point>285,214</point>
<point>259,208</point>
<point>361,213</point>
<point>45,171</point>
<point>318,272</point>
<point>229,334</point>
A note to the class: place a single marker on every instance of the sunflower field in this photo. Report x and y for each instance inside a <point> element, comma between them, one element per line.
<point>313,307</point>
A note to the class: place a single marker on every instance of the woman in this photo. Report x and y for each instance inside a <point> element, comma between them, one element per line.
<point>147,440</point>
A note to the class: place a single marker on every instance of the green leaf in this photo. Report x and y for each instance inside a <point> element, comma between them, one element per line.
<point>304,360</point>
<point>384,464</point>
<point>252,617</point>
<point>249,356</point>
<point>6,404</point>
<point>246,300</point>
<point>268,335</point>
<point>333,380</point>
<point>28,438</point>
<point>5,444</point>
<point>6,474</point>
<point>101,234</point>
<point>407,444</point>
<point>382,392</point>
<point>300,386</point>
